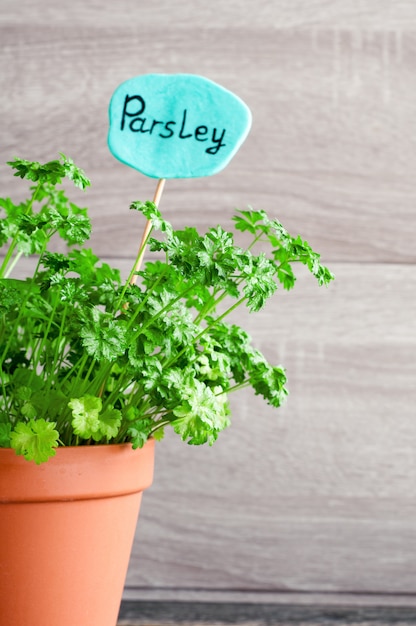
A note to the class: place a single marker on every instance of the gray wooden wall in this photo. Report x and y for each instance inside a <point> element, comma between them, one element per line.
<point>317,499</point>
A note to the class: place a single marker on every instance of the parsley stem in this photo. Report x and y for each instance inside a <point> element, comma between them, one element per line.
<point>206,329</point>
<point>149,292</point>
<point>13,264</point>
<point>243,385</point>
<point>255,240</point>
<point>160,424</point>
<point>167,307</point>
<point>60,350</point>
<point>15,240</point>
<point>211,305</point>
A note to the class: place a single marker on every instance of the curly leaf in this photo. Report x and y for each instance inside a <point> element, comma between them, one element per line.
<point>51,172</point>
<point>102,337</point>
<point>152,213</point>
<point>110,422</point>
<point>139,432</point>
<point>35,440</point>
<point>85,416</point>
<point>201,416</point>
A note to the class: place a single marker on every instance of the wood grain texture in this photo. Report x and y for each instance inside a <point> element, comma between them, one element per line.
<point>323,498</point>
<point>319,496</point>
<point>331,148</point>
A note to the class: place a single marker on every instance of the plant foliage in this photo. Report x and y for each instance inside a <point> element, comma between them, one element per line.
<point>86,358</point>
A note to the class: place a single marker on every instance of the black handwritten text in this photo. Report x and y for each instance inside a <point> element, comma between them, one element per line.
<point>132,118</point>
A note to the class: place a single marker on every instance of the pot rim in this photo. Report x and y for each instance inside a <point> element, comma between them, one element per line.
<point>77,473</point>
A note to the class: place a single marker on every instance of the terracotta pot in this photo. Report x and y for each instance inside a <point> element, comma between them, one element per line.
<point>66,532</point>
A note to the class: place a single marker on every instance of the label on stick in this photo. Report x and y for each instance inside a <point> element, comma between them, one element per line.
<point>176,125</point>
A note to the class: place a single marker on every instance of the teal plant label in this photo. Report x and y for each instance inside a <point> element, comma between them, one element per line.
<point>176,125</point>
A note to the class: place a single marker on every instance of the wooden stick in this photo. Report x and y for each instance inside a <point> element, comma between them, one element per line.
<point>147,229</point>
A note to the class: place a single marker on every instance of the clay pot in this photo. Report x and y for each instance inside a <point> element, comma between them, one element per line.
<point>66,532</point>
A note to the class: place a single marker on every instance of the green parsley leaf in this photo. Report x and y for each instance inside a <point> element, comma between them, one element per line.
<point>103,337</point>
<point>139,432</point>
<point>35,440</point>
<point>85,417</point>
<point>110,422</point>
<point>200,416</point>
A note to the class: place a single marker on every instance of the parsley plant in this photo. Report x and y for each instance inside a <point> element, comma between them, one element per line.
<point>88,359</point>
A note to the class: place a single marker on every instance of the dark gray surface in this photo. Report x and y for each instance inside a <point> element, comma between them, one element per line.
<point>267,614</point>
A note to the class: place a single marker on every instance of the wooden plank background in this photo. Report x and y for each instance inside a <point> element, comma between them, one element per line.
<point>316,499</point>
